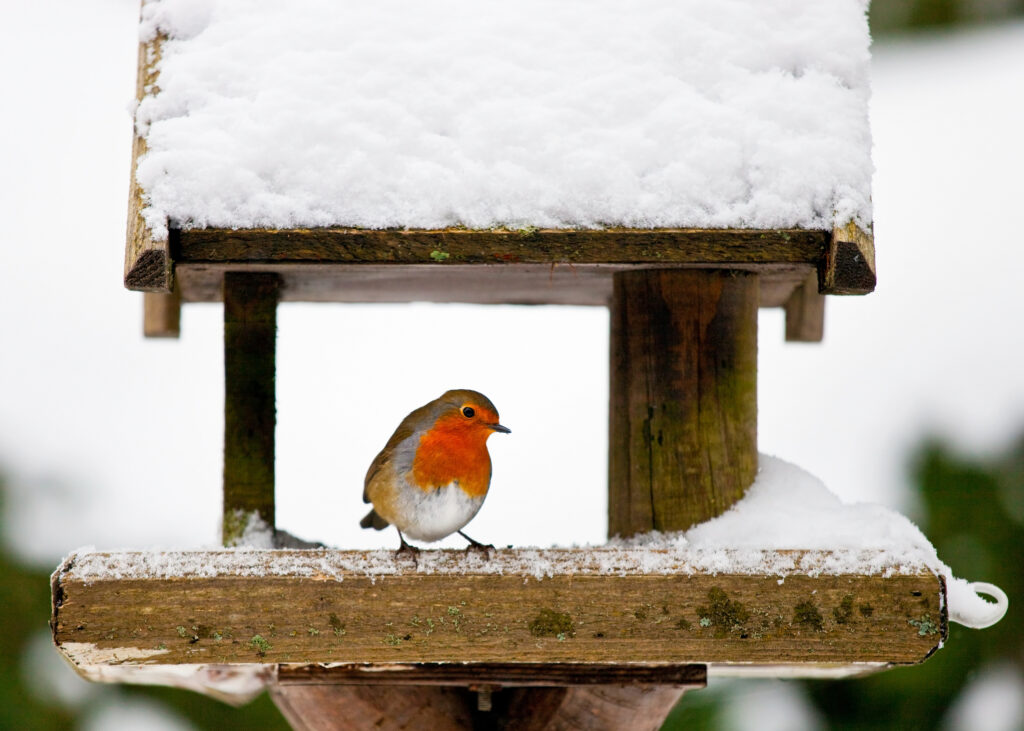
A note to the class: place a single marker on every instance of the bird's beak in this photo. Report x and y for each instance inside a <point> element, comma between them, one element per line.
<point>499,427</point>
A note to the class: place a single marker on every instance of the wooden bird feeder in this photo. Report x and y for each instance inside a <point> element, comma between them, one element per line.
<point>346,639</point>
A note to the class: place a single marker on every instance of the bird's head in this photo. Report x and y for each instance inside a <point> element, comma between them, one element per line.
<point>467,412</point>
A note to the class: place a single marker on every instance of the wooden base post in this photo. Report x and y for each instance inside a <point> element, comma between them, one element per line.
<point>384,708</point>
<point>683,409</point>
<point>250,332</point>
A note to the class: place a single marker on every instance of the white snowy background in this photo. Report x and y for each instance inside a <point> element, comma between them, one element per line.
<point>112,440</point>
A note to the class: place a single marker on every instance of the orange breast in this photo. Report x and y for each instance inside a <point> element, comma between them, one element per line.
<point>453,451</point>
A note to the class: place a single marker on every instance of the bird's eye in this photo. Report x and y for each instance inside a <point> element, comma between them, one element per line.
<point>468,412</point>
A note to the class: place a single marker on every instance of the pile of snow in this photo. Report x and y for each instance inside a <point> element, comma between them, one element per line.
<point>549,113</point>
<point>787,523</point>
<point>787,508</point>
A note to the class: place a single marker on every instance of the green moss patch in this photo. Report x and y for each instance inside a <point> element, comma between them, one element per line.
<point>806,615</point>
<point>722,614</point>
<point>550,623</point>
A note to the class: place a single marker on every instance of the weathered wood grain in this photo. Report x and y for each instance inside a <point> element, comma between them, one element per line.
<point>848,266</point>
<point>578,617</point>
<point>523,674</point>
<point>161,314</point>
<point>805,313</point>
<point>147,263</point>
<point>526,246</point>
<point>683,397</point>
<point>250,336</point>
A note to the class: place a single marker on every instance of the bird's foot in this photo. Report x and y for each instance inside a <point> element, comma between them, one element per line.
<point>407,549</point>
<point>477,545</point>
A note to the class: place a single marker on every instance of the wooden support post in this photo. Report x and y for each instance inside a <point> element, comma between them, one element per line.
<point>250,331</point>
<point>805,313</point>
<point>358,707</point>
<point>381,707</point>
<point>161,314</point>
<point>683,411</point>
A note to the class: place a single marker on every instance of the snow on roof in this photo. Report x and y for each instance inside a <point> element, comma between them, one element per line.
<point>788,523</point>
<point>547,113</point>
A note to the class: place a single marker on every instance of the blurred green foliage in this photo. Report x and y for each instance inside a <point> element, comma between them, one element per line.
<point>974,516</point>
<point>24,703</point>
<point>887,17</point>
<point>24,608</point>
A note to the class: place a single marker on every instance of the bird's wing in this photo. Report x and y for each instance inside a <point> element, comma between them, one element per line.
<point>403,432</point>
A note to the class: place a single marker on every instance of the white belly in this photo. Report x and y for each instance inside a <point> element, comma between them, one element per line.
<point>430,516</point>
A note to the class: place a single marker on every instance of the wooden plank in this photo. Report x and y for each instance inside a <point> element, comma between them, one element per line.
<point>161,314</point>
<point>683,397</point>
<point>250,333</point>
<point>443,247</point>
<point>147,263</point>
<point>533,284</point>
<point>364,607</point>
<point>494,674</point>
<point>849,263</point>
<point>805,313</point>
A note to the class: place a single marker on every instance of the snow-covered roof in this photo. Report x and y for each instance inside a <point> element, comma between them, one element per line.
<point>477,113</point>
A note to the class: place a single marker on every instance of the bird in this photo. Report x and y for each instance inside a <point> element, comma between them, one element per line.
<point>432,476</point>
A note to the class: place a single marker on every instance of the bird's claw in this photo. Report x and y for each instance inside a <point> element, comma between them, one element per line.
<point>477,545</point>
<point>407,548</point>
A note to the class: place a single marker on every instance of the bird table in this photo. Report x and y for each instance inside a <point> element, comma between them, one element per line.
<point>728,206</point>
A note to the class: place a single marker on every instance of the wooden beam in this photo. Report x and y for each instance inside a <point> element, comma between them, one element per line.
<point>805,313</point>
<point>147,263</point>
<point>582,606</point>
<point>161,314</point>
<point>519,675</point>
<point>250,332</point>
<point>849,263</point>
<point>441,247</point>
<point>683,397</point>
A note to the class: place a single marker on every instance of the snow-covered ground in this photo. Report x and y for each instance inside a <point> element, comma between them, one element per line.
<point>112,440</point>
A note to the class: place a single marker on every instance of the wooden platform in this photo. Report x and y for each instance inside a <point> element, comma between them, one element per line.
<point>364,617</point>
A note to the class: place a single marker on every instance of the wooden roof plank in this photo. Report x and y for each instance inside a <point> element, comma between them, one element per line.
<point>848,266</point>
<point>530,245</point>
<point>147,263</point>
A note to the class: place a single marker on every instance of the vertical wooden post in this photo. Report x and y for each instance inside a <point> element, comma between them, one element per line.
<point>683,411</point>
<point>161,314</point>
<point>805,313</point>
<point>250,332</point>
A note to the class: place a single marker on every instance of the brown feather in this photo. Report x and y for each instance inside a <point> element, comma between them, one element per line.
<point>403,432</point>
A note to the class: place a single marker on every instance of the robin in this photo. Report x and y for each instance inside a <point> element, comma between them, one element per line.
<point>432,476</point>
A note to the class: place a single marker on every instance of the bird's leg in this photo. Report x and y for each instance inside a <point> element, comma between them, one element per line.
<point>476,545</point>
<point>406,547</point>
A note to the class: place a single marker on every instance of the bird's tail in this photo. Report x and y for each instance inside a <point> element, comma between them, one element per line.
<point>372,520</point>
